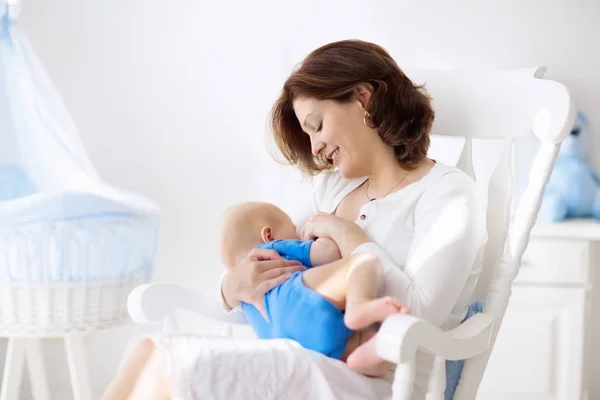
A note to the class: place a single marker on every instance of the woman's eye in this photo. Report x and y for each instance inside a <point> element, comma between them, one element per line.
<point>320,127</point>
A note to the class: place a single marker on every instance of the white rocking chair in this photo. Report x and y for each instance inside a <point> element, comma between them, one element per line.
<point>475,105</point>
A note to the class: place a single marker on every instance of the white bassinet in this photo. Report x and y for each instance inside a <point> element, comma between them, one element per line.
<point>71,247</point>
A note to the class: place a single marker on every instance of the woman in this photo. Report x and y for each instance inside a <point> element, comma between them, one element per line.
<point>350,116</point>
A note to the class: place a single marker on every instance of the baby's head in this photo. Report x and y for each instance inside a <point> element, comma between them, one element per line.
<point>247,225</point>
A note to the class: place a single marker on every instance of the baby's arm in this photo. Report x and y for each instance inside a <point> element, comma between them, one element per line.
<point>323,251</point>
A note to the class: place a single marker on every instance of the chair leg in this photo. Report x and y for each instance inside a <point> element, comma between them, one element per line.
<point>437,382</point>
<point>37,370</point>
<point>404,379</point>
<point>13,369</point>
<point>80,380</point>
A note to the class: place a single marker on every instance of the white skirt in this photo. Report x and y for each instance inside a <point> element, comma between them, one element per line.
<point>217,368</point>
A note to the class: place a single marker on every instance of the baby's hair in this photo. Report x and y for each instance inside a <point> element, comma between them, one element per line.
<point>239,228</point>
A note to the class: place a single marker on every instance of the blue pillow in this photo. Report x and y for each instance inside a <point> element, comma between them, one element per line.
<point>454,368</point>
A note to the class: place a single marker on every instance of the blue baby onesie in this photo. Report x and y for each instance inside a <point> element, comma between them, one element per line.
<point>297,312</point>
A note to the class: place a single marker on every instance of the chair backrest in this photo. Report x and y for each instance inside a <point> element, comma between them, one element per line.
<point>500,105</point>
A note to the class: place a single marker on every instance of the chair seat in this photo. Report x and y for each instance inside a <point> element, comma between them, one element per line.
<point>259,369</point>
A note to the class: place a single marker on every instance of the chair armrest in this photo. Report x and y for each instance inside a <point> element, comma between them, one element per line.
<point>400,336</point>
<point>153,302</point>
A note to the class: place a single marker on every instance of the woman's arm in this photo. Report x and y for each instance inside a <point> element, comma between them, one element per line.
<point>346,234</point>
<point>449,234</point>
<point>230,284</point>
<point>259,272</point>
<point>324,251</point>
<point>226,306</point>
<point>349,237</point>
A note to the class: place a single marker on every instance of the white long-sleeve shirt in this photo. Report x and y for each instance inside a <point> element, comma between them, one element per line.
<point>429,236</point>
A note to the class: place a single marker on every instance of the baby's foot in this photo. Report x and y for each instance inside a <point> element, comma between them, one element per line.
<point>365,359</point>
<point>364,314</point>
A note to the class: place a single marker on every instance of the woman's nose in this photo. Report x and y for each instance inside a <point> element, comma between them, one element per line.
<point>317,147</point>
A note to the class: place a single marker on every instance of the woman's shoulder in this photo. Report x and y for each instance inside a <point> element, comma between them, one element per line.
<point>453,194</point>
<point>444,176</point>
<point>450,185</point>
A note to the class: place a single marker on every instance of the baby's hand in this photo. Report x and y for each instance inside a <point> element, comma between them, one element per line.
<point>324,251</point>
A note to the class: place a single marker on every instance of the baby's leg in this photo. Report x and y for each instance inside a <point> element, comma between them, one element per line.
<point>361,356</point>
<point>351,284</point>
<point>335,280</point>
<point>362,307</point>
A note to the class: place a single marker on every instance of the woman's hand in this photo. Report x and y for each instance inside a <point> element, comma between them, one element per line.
<point>323,225</point>
<point>259,272</point>
<point>346,234</point>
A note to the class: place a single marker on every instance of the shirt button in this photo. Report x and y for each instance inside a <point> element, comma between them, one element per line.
<point>363,216</point>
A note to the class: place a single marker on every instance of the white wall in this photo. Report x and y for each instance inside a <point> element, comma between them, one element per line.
<point>171,96</point>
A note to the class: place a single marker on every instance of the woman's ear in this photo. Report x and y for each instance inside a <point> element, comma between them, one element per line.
<point>266,234</point>
<point>364,92</point>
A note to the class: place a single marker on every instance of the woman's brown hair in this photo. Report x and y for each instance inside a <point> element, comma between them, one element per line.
<point>400,110</point>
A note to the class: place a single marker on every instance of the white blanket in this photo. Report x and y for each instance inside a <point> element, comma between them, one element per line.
<point>220,368</point>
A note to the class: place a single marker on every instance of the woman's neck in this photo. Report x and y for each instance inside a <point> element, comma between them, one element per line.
<point>382,183</point>
<point>387,175</point>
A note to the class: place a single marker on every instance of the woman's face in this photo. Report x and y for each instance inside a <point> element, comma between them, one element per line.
<point>337,131</point>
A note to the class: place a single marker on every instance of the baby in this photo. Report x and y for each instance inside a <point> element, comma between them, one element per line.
<point>321,308</point>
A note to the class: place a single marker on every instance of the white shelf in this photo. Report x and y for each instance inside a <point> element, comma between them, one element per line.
<point>569,229</point>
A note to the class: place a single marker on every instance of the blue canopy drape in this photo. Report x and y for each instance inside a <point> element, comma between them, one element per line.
<point>58,220</point>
